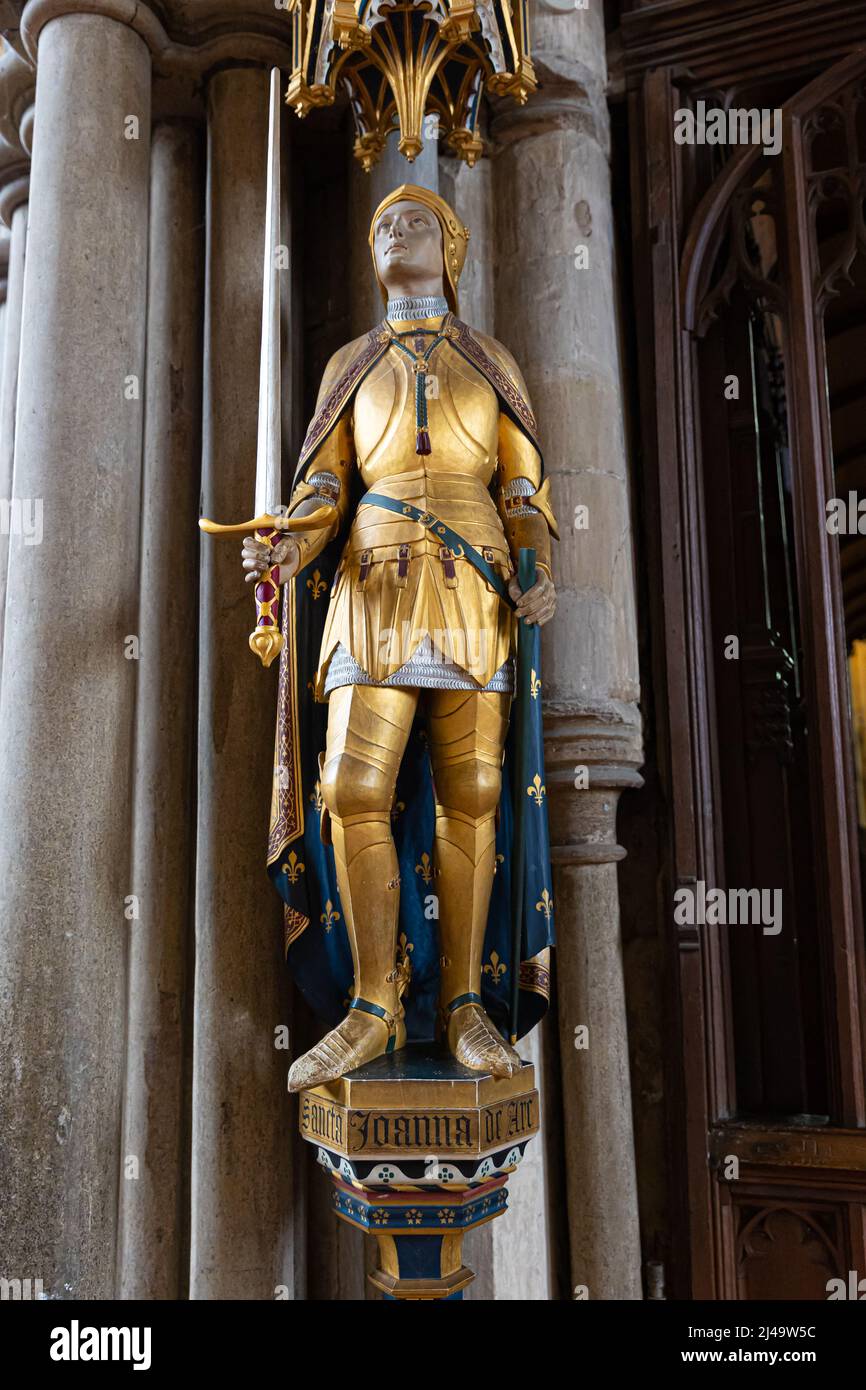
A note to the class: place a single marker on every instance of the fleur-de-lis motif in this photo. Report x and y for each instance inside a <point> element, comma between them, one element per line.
<point>534,685</point>
<point>293,868</point>
<point>546,904</point>
<point>317,585</point>
<point>402,973</point>
<point>500,859</point>
<point>537,790</point>
<point>425,868</point>
<point>329,916</point>
<point>316,796</point>
<point>397,808</point>
<point>495,968</point>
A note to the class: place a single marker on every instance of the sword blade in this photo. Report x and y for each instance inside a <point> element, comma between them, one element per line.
<point>269,443</point>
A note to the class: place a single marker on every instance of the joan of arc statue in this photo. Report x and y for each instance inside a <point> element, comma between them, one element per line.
<point>392,819</point>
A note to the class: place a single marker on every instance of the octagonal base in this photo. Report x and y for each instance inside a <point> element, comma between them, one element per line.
<point>419,1149</point>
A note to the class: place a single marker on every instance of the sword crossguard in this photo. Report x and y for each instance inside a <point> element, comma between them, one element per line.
<point>266,640</point>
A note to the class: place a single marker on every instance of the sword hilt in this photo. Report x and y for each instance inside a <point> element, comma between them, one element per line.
<point>266,640</point>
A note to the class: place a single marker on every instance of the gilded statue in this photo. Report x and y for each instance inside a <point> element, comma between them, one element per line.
<point>393,824</point>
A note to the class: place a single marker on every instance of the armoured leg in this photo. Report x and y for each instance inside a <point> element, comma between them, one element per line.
<point>467,736</point>
<point>368,728</point>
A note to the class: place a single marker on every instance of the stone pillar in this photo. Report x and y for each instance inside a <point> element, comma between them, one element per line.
<point>153,1176</point>
<point>469,191</point>
<point>559,319</point>
<point>68,690</point>
<point>13,202</point>
<point>5,240</point>
<point>4,250</point>
<point>366,192</point>
<point>242,1118</point>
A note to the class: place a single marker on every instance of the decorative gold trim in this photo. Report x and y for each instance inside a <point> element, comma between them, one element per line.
<point>475,1090</point>
<point>294,923</point>
<point>266,643</point>
<point>287,808</point>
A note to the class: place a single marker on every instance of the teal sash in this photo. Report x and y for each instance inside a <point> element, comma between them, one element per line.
<point>460,549</point>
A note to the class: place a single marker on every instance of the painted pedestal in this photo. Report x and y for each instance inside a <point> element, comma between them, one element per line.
<point>419,1150</point>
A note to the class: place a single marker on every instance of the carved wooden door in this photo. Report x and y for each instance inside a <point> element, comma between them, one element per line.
<point>752,269</point>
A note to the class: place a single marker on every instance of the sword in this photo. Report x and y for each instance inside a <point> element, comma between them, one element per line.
<point>269,522</point>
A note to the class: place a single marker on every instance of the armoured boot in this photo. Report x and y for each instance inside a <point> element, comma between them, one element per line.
<point>467,736</point>
<point>358,787</point>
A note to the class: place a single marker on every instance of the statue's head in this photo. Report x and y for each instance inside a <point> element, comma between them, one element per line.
<point>418,244</point>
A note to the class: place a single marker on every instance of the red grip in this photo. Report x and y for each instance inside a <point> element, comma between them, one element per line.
<point>268,588</point>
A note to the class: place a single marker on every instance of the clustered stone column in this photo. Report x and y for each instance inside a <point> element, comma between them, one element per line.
<point>17,82</point>
<point>469,191</point>
<point>4,272</point>
<point>66,706</point>
<point>153,1176</point>
<point>555,307</point>
<point>242,1121</point>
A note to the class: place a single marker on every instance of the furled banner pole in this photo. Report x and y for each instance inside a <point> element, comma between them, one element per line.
<point>268,521</point>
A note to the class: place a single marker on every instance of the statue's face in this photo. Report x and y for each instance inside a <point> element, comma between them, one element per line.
<point>407,244</point>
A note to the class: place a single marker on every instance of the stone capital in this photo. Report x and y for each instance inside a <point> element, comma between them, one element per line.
<point>256,34</point>
<point>18,83</point>
<point>568,55</point>
<point>590,757</point>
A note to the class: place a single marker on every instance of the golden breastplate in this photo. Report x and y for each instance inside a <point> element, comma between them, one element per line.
<point>453,480</point>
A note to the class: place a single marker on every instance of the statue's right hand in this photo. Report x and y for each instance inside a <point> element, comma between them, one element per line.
<point>258,556</point>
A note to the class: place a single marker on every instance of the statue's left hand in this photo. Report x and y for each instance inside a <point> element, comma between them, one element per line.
<point>538,604</point>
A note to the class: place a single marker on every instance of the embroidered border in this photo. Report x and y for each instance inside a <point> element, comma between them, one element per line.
<point>535,973</point>
<point>294,925</point>
<point>462,337</point>
<point>287,812</point>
